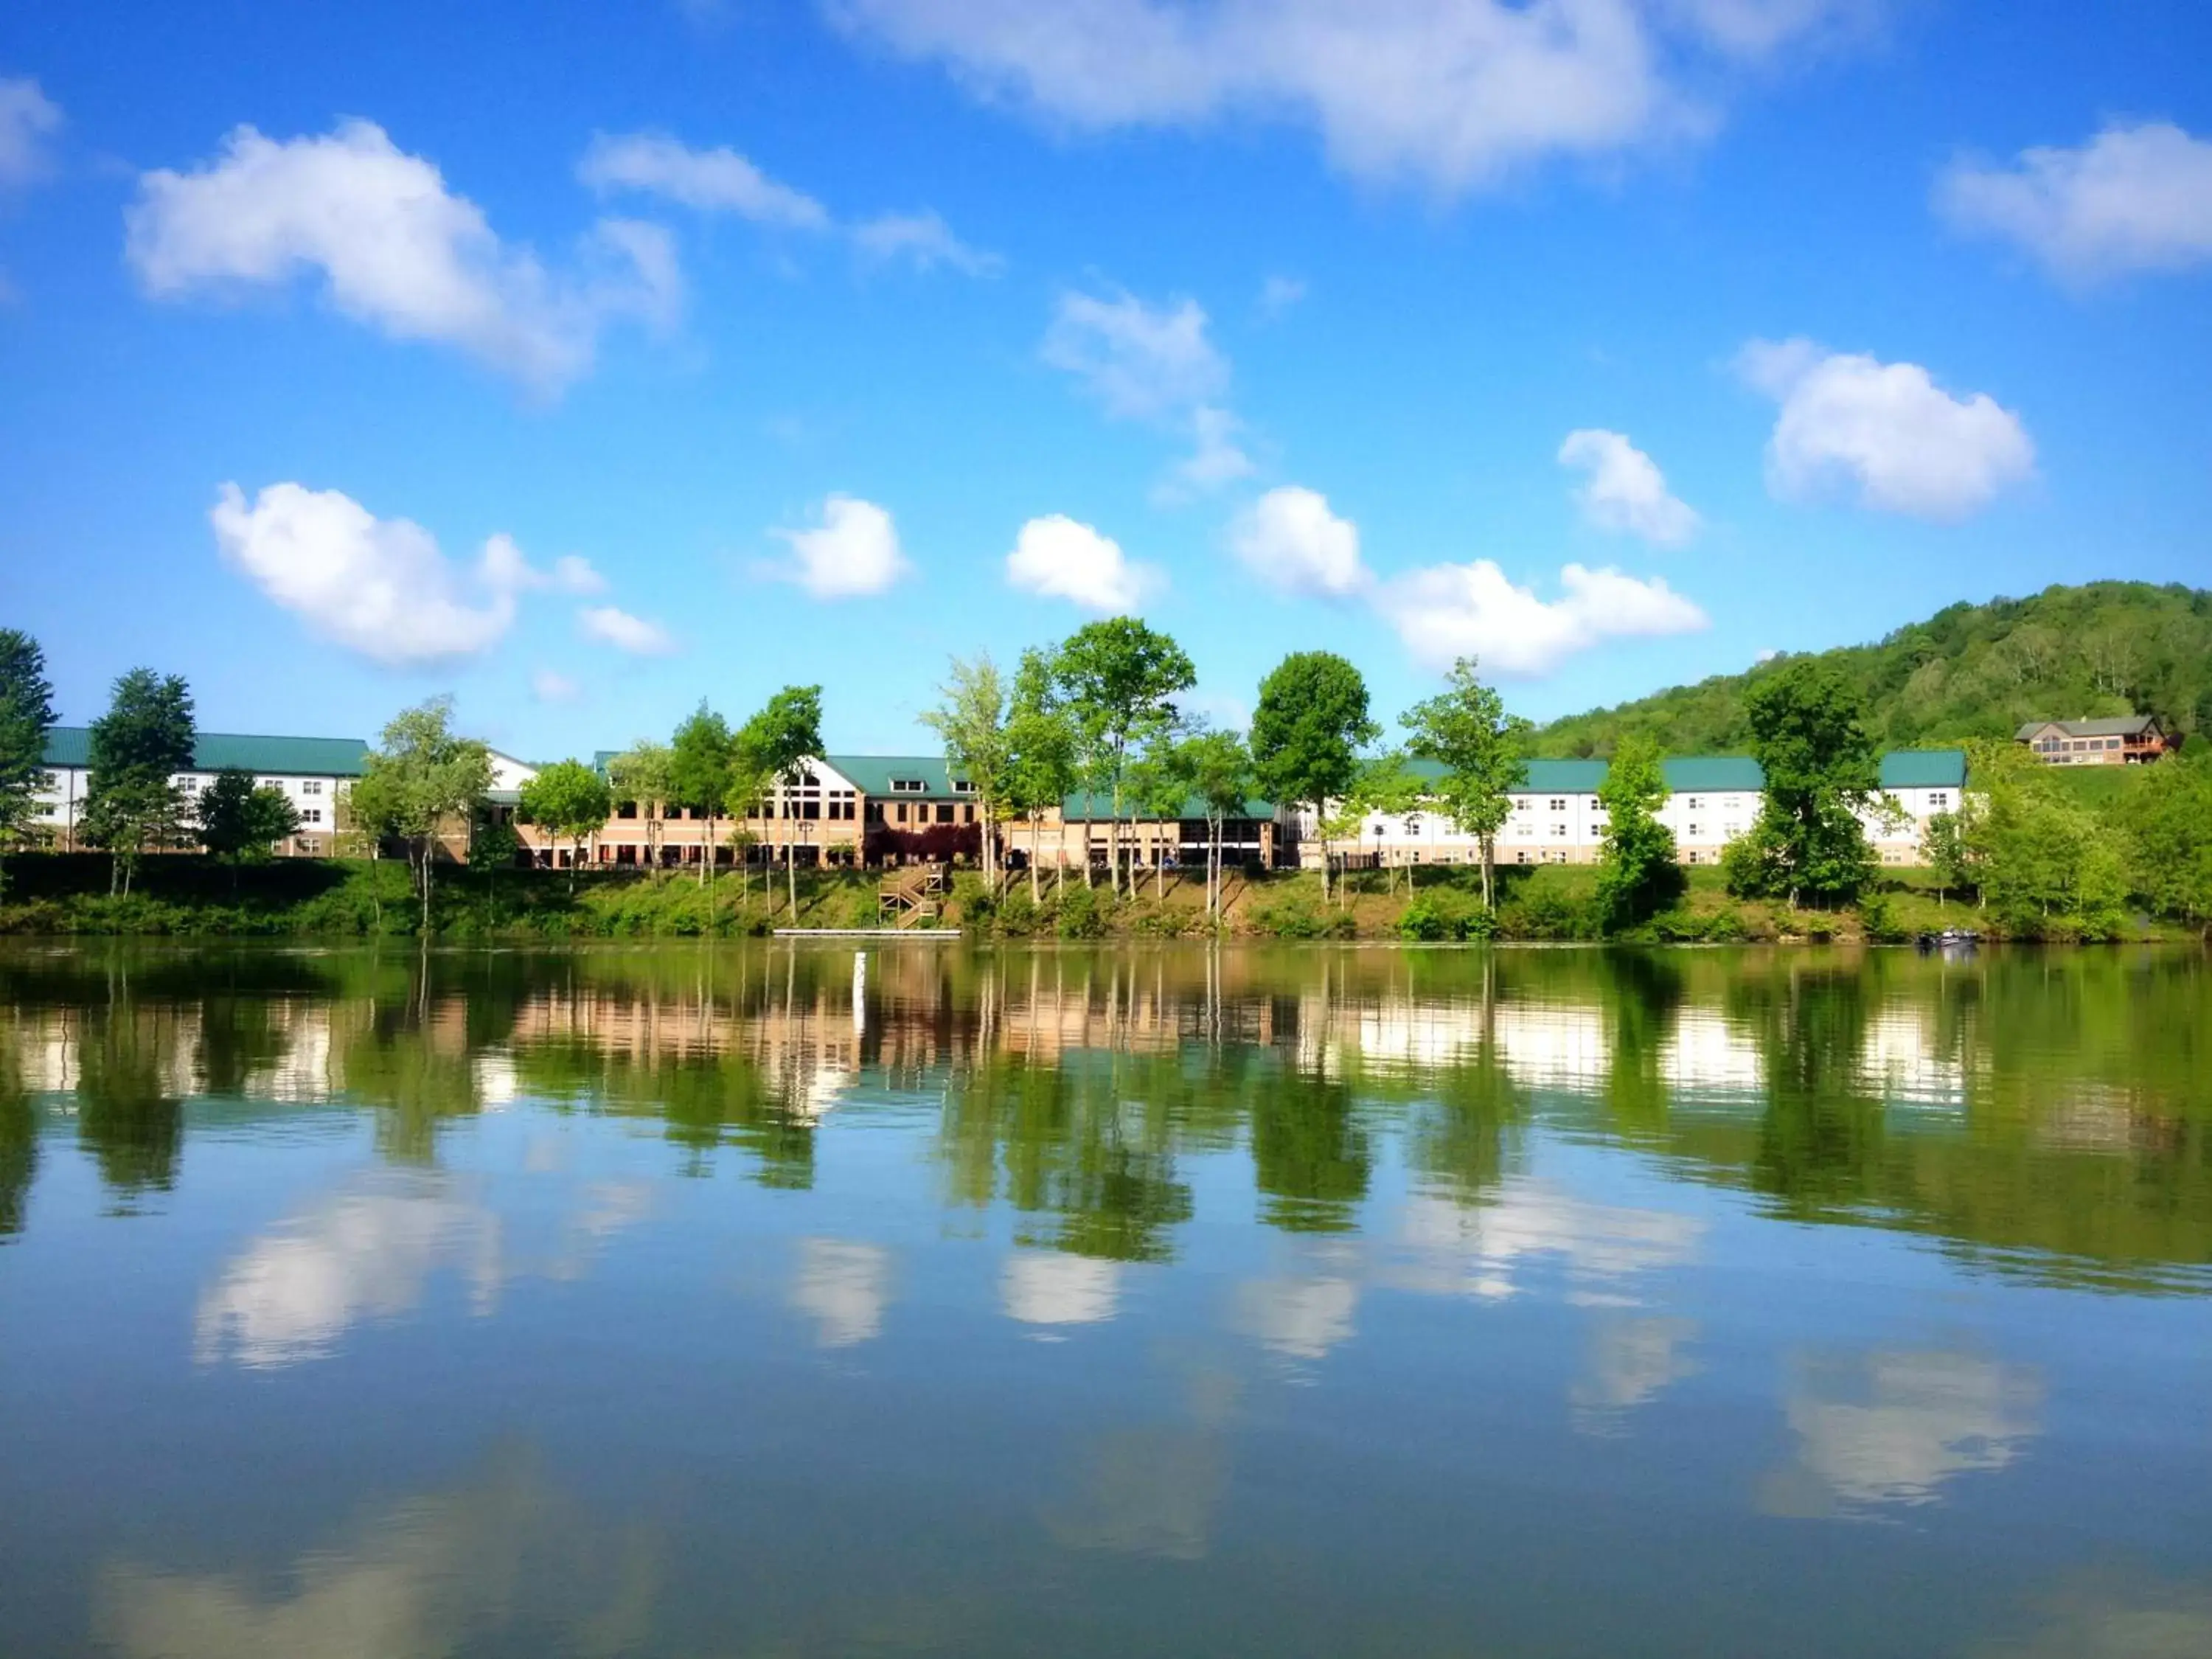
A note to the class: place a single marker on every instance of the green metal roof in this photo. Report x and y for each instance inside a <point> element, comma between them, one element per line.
<point>214,751</point>
<point>1924,769</point>
<point>1713,774</point>
<point>872,774</point>
<point>1538,777</point>
<point>1098,808</point>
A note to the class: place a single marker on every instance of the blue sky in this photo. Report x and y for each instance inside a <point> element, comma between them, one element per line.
<point>1859,306</point>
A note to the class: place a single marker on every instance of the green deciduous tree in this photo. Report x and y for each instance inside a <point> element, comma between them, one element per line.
<point>423,779</point>
<point>1041,751</point>
<point>1637,873</point>
<point>2048,867</point>
<point>138,747</point>
<point>1483,753</point>
<point>1385,787</point>
<point>1809,732</point>
<point>567,798</point>
<point>780,740</point>
<point>2169,826</point>
<point>700,765</point>
<point>642,774</point>
<point>1218,768</point>
<point>1308,728</point>
<point>26,716</point>
<point>241,820</point>
<point>1159,787</point>
<point>1949,854</point>
<point>971,718</point>
<point>1118,680</point>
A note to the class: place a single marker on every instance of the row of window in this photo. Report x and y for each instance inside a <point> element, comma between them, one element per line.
<point>2075,745</point>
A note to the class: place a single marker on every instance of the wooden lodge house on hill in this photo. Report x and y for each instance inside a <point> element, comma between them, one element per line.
<point>2129,740</point>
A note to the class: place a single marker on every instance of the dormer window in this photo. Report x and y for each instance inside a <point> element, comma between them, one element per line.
<point>909,786</point>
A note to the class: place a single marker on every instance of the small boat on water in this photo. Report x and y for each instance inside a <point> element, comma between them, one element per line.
<point>1952,941</point>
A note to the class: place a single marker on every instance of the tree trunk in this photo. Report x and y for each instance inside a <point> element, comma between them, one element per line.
<point>1489,866</point>
<point>429,844</point>
<point>1114,836</point>
<point>1036,894</point>
<point>791,873</point>
<point>1213,872</point>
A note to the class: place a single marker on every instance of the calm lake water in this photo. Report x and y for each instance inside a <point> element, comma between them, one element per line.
<point>762,1301</point>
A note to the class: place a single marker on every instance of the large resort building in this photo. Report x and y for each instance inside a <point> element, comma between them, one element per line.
<point>845,810</point>
<point>312,773</point>
<point>1556,817</point>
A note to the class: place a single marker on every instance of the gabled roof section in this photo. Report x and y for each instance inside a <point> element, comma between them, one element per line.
<point>2122,726</point>
<point>1924,769</point>
<point>875,775</point>
<point>215,751</point>
<point>1713,774</point>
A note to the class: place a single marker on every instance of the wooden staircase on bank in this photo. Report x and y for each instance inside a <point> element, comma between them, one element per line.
<point>911,896</point>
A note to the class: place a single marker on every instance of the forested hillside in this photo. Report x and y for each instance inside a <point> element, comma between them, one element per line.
<point>1969,670</point>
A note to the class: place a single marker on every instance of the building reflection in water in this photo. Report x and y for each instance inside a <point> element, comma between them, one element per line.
<point>2041,1123</point>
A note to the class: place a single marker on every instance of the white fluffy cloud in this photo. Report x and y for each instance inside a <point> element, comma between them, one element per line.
<point>720,181</point>
<point>1142,362</point>
<point>551,685</point>
<point>1623,489</point>
<point>379,587</point>
<point>1062,559</point>
<point>1155,364</point>
<point>854,551</point>
<point>2133,198</point>
<point>1290,540</point>
<point>395,248</point>
<point>617,628</point>
<point>1451,610</point>
<point>1216,457</point>
<point>1450,93</point>
<point>1884,433</point>
<point>717,180</point>
<point>924,240</point>
<point>28,120</point>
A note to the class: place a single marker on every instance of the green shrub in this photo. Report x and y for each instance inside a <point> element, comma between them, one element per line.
<point>1447,914</point>
<point>1019,915</point>
<point>1083,912</point>
<point>1679,926</point>
<point>1878,920</point>
<point>1296,918</point>
<point>1544,911</point>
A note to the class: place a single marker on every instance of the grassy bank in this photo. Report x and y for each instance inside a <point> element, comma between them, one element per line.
<point>61,894</point>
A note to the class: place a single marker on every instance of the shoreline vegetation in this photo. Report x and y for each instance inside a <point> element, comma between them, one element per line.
<point>2023,852</point>
<point>61,895</point>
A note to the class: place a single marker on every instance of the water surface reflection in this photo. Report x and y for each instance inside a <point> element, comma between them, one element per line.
<point>702,1300</point>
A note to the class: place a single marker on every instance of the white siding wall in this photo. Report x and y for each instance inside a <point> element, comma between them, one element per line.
<point>1705,821</point>
<point>1903,843</point>
<point>1543,827</point>
<point>1547,828</point>
<point>313,796</point>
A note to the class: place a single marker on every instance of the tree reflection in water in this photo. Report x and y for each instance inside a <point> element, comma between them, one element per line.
<point>2044,1115</point>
